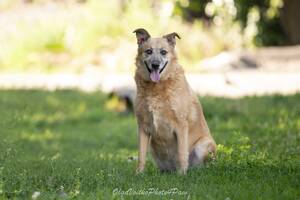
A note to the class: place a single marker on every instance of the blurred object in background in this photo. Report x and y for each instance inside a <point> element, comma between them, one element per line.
<point>69,36</point>
<point>90,43</point>
<point>121,100</point>
<point>268,59</point>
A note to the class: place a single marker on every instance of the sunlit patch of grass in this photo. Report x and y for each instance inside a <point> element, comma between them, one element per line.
<point>68,144</point>
<point>44,136</point>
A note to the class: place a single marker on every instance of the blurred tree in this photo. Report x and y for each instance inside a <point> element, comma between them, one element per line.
<point>192,9</point>
<point>269,29</point>
<point>290,20</point>
<point>276,23</point>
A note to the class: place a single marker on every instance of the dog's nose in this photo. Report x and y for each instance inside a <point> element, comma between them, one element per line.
<point>155,65</point>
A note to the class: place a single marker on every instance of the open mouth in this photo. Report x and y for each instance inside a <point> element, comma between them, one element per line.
<point>155,73</point>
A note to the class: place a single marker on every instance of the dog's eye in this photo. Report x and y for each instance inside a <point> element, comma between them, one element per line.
<point>149,51</point>
<point>163,52</point>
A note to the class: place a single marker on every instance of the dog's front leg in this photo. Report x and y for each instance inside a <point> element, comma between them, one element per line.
<point>143,146</point>
<point>182,139</point>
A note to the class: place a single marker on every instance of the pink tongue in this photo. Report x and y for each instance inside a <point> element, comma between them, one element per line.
<point>154,76</point>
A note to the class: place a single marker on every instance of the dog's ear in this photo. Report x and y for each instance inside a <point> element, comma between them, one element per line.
<point>141,35</point>
<point>171,38</point>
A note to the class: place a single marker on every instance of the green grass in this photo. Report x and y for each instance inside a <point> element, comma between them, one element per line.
<point>69,140</point>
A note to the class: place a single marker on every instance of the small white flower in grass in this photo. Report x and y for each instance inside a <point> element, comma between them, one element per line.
<point>35,195</point>
<point>61,193</point>
<point>132,158</point>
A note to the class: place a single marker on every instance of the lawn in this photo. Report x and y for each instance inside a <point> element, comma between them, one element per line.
<point>67,144</point>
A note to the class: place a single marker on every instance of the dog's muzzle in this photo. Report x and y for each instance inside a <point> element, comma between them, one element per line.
<point>155,71</point>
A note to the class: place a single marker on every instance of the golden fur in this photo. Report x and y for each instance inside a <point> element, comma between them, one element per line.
<point>169,115</point>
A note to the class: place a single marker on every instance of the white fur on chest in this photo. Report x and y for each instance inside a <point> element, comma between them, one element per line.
<point>159,124</point>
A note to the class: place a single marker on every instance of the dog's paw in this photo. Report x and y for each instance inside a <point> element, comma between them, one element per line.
<point>139,171</point>
<point>182,171</point>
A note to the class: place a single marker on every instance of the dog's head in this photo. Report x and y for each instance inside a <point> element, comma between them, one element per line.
<point>155,55</point>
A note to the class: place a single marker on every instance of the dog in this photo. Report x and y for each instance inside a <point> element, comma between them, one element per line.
<point>169,115</point>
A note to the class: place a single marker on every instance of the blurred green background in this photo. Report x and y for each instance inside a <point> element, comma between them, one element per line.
<point>71,36</point>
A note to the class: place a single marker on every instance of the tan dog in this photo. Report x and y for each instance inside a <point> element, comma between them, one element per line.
<point>169,115</point>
